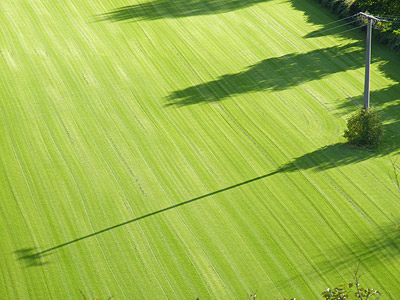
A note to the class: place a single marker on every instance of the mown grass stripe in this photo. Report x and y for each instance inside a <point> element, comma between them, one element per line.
<point>92,109</point>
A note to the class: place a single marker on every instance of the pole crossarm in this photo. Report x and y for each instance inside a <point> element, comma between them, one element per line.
<point>365,15</point>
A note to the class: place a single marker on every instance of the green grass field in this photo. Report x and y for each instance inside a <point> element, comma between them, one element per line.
<point>183,149</point>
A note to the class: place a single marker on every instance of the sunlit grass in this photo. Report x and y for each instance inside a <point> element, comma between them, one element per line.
<point>190,149</point>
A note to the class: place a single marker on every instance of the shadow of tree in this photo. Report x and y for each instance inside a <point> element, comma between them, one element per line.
<point>276,74</point>
<point>328,157</point>
<point>160,9</point>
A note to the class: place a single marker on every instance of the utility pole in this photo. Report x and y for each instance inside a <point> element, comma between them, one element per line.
<point>371,20</point>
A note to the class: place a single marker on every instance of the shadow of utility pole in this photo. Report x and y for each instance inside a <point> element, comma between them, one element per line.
<point>319,160</point>
<point>32,258</point>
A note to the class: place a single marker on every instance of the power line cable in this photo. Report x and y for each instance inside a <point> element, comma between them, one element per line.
<point>390,19</point>
<point>393,21</point>
<point>341,19</point>
<point>351,29</point>
<point>321,31</point>
<point>387,17</point>
<point>394,16</point>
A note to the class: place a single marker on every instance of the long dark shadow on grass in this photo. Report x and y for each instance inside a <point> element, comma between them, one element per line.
<point>161,9</point>
<point>277,73</point>
<point>33,258</point>
<point>319,160</point>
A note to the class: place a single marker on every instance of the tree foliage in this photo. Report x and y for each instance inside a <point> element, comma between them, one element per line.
<point>364,128</point>
<point>388,33</point>
<point>380,7</point>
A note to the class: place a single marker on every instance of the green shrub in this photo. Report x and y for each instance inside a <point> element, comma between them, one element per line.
<point>364,128</point>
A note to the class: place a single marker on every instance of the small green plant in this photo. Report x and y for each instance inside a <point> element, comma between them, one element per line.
<point>364,129</point>
<point>345,292</point>
<point>353,290</point>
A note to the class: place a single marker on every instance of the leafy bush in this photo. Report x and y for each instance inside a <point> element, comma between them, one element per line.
<point>364,129</point>
<point>381,7</point>
<point>387,33</point>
